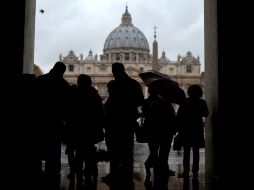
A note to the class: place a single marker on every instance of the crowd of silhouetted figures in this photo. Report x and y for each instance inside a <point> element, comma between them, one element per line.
<point>49,112</point>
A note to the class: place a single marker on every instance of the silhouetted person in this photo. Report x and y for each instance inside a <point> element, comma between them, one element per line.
<point>52,90</point>
<point>125,96</point>
<point>68,140</point>
<point>160,122</point>
<point>108,119</point>
<point>187,185</point>
<point>28,134</point>
<point>191,115</point>
<point>85,122</point>
<point>69,133</point>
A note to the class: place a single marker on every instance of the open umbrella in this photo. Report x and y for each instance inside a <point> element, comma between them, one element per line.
<point>166,86</point>
<point>152,75</point>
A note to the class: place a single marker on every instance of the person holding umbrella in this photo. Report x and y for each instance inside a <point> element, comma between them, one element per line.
<point>160,119</point>
<point>159,116</point>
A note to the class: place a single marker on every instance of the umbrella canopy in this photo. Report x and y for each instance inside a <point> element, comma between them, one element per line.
<point>165,86</point>
<point>150,76</point>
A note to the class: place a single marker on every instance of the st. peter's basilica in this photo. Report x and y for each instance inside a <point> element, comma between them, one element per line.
<point>128,45</point>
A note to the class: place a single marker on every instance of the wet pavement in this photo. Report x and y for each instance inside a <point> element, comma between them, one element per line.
<point>140,154</point>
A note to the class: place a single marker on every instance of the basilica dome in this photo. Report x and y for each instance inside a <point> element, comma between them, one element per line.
<point>126,36</point>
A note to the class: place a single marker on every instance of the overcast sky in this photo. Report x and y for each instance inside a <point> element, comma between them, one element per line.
<point>81,25</point>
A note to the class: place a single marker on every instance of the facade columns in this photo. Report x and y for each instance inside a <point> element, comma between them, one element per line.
<point>109,57</point>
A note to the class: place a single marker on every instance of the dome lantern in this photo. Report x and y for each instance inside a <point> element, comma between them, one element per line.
<point>126,18</point>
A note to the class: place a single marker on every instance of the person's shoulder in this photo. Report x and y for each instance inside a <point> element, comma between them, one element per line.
<point>41,76</point>
<point>187,102</point>
<point>94,90</point>
<point>66,82</point>
<point>63,82</point>
<point>111,82</point>
<point>202,101</point>
<point>134,81</point>
<point>41,79</point>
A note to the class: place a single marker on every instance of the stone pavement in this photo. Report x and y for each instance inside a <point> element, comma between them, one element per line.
<point>140,154</point>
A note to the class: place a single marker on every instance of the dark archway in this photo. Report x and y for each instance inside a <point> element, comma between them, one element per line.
<point>20,31</point>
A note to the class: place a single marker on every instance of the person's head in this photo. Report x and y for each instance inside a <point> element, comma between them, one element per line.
<point>195,91</point>
<point>118,70</point>
<point>58,69</point>
<point>84,80</point>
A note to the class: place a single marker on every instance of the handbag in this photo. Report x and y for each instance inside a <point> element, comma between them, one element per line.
<point>141,131</point>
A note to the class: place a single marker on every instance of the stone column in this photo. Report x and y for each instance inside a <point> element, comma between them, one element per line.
<point>211,89</point>
<point>137,58</point>
<point>225,125</point>
<point>122,56</point>
<point>29,30</point>
<point>109,58</point>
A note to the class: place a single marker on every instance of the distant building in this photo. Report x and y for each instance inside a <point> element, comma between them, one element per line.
<point>128,45</point>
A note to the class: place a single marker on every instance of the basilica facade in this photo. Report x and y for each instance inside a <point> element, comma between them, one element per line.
<point>128,45</point>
